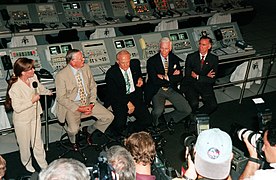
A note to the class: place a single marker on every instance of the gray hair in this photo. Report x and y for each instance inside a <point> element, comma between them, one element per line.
<point>122,161</point>
<point>65,169</point>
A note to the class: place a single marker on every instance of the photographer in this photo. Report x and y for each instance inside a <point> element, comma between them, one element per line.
<point>212,156</point>
<point>251,171</point>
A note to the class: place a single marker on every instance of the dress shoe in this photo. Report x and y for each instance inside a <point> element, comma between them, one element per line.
<point>75,147</point>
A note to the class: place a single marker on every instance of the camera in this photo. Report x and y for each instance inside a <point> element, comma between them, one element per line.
<point>254,138</point>
<point>102,170</point>
<point>190,142</point>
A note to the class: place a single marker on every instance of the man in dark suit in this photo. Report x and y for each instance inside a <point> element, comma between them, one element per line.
<point>124,94</point>
<point>164,74</point>
<point>200,72</point>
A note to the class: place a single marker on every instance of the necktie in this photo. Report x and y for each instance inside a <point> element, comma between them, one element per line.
<point>81,89</point>
<point>166,66</point>
<point>202,61</point>
<point>127,82</point>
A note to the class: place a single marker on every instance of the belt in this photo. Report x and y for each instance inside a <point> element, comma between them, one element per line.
<point>165,88</point>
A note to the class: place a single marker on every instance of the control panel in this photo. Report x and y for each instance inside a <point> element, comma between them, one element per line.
<point>19,14</point>
<point>140,6</point>
<point>151,44</point>
<point>73,12</point>
<point>128,44</point>
<point>229,35</point>
<point>96,9</point>
<point>204,31</point>
<point>47,13</point>
<point>181,41</point>
<point>179,5</point>
<point>28,52</point>
<point>55,55</point>
<point>119,8</point>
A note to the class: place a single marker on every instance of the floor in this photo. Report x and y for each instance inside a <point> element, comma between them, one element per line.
<point>260,33</point>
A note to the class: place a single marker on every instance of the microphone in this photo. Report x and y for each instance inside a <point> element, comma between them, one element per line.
<point>35,86</point>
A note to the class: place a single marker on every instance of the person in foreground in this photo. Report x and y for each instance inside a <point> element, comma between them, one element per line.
<point>2,168</point>
<point>65,169</point>
<point>76,92</point>
<point>24,91</point>
<point>142,148</point>
<point>252,171</point>
<point>200,75</point>
<point>164,75</point>
<point>212,156</point>
<point>124,93</point>
<point>122,162</point>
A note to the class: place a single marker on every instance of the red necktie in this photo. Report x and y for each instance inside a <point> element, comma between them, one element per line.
<point>202,61</point>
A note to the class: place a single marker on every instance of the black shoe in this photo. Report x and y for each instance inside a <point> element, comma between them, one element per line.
<point>75,147</point>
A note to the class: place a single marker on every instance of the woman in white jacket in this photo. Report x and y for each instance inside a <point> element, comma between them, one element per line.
<point>24,92</point>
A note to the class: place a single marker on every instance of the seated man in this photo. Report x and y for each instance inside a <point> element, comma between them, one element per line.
<point>124,94</point>
<point>164,74</point>
<point>200,72</point>
<point>77,99</point>
<point>142,148</point>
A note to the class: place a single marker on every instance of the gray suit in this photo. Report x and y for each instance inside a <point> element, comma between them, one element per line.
<point>67,90</point>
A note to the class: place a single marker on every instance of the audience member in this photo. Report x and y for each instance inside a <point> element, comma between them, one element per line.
<point>164,75</point>
<point>124,93</point>
<point>65,169</point>
<point>25,91</point>
<point>212,156</point>
<point>252,171</point>
<point>142,148</point>
<point>122,162</point>
<point>200,75</point>
<point>2,168</point>
<point>77,98</point>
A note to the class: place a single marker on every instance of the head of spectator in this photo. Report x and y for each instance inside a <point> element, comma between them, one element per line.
<point>142,147</point>
<point>2,167</point>
<point>269,146</point>
<point>123,59</point>
<point>213,154</point>
<point>64,169</point>
<point>165,46</point>
<point>122,162</point>
<point>75,58</point>
<point>205,44</point>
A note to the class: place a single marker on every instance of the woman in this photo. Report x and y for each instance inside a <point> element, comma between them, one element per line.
<point>24,93</point>
<point>2,168</point>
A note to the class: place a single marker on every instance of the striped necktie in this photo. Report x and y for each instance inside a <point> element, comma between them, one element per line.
<point>127,82</point>
<point>81,89</point>
<point>166,66</point>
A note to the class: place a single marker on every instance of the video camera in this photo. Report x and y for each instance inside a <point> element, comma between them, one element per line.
<point>102,170</point>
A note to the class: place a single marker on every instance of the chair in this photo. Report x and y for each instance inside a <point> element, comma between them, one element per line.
<point>21,41</point>
<point>103,33</point>
<point>68,35</point>
<point>219,18</point>
<point>165,25</point>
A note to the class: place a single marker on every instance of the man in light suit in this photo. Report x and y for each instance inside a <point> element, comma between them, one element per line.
<point>162,84</point>
<point>69,107</point>
<point>200,75</point>
<point>124,94</point>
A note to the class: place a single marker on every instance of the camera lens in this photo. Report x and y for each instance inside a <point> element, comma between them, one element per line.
<point>251,136</point>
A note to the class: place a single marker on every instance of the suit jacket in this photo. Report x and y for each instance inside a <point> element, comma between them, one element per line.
<point>116,86</point>
<point>154,67</point>
<point>193,63</point>
<point>67,89</point>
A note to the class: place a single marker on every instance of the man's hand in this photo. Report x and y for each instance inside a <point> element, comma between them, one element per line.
<point>211,74</point>
<point>251,149</point>
<point>140,82</point>
<point>176,72</point>
<point>190,172</point>
<point>86,109</point>
<point>194,75</point>
<point>131,107</point>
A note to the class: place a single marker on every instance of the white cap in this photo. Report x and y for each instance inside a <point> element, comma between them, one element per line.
<point>213,154</point>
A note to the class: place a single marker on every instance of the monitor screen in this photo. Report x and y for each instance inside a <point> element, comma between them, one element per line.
<point>174,37</point>
<point>129,43</point>
<point>119,44</point>
<point>54,50</point>
<point>65,48</point>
